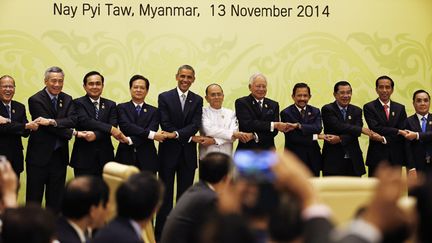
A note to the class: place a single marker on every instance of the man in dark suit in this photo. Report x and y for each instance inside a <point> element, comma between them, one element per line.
<point>199,201</point>
<point>14,125</point>
<point>258,115</point>
<point>84,209</point>
<point>387,119</point>
<point>139,121</point>
<point>343,122</point>
<point>138,198</point>
<point>305,127</point>
<point>47,151</point>
<point>419,128</point>
<point>97,121</point>
<point>180,118</point>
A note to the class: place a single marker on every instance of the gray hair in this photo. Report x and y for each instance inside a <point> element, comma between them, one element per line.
<point>255,76</point>
<point>53,69</point>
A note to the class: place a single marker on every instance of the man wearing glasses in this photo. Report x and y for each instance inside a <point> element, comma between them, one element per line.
<point>13,124</point>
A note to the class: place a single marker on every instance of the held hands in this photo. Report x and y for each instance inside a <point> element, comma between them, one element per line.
<point>117,134</point>
<point>286,126</point>
<point>160,136</point>
<point>205,141</point>
<point>44,121</point>
<point>33,126</point>
<point>410,135</point>
<point>332,139</point>
<point>243,137</point>
<point>4,120</point>
<point>89,136</point>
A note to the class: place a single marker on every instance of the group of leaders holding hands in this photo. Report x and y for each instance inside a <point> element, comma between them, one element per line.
<point>92,120</point>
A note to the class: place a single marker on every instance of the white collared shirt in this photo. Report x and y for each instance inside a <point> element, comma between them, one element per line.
<point>137,228</point>
<point>179,92</point>
<point>78,230</point>
<point>93,101</point>
<point>419,117</point>
<point>219,124</point>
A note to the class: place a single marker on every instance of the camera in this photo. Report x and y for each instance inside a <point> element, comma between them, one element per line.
<point>255,165</point>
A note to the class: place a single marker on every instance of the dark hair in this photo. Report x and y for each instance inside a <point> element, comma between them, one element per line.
<point>285,224</point>
<point>340,83</point>
<point>187,67</point>
<point>420,91</point>
<point>214,167</point>
<point>206,90</point>
<point>81,194</point>
<point>91,74</point>
<point>30,224</point>
<point>139,196</point>
<point>384,77</point>
<point>299,86</point>
<point>136,77</point>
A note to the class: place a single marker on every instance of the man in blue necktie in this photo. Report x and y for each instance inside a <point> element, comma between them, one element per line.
<point>48,148</point>
<point>419,137</point>
<point>343,125</point>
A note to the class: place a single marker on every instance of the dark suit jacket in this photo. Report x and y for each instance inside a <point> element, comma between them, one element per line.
<point>94,154</point>
<point>143,151</point>
<point>65,232</point>
<point>300,141</point>
<point>118,230</point>
<point>393,151</point>
<point>189,214</point>
<point>186,123</point>
<point>42,142</point>
<point>11,133</point>
<point>251,119</point>
<point>416,149</point>
<point>348,130</point>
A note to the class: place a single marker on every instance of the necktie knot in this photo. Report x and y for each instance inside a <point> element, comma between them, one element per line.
<point>343,110</point>
<point>303,112</point>
<point>183,100</point>
<point>54,103</point>
<point>386,110</point>
<point>138,109</point>
<point>423,124</point>
<point>260,105</point>
<point>8,110</point>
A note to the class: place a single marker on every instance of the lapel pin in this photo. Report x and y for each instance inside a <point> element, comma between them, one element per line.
<point>349,117</point>
<point>60,103</point>
<point>223,116</point>
<point>190,101</point>
<point>13,111</point>
<point>430,122</point>
<point>145,110</point>
<point>309,113</point>
<point>393,113</point>
<point>265,105</point>
<point>102,106</point>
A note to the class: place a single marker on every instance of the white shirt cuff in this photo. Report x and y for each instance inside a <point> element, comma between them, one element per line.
<point>271,126</point>
<point>315,137</point>
<point>129,141</point>
<point>385,140</point>
<point>151,135</point>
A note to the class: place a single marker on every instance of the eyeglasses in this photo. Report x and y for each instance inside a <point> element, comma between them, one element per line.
<point>7,86</point>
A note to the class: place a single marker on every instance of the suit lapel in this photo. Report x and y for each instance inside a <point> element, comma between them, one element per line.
<point>188,104</point>
<point>338,112</point>
<point>296,114</point>
<point>252,102</point>
<point>89,106</point>
<point>3,111</point>
<point>101,108</point>
<point>47,103</point>
<point>380,110</point>
<point>429,123</point>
